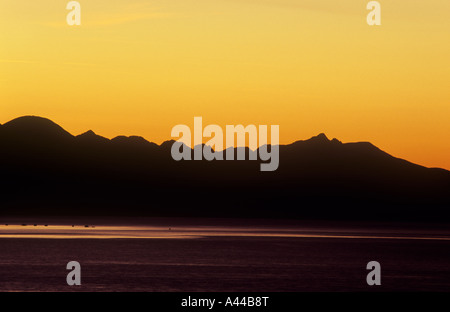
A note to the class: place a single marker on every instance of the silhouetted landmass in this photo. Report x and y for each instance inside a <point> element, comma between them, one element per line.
<point>47,171</point>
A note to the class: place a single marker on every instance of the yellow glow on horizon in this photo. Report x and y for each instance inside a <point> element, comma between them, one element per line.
<point>137,67</point>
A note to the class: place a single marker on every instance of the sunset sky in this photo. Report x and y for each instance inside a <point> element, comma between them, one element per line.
<point>140,67</point>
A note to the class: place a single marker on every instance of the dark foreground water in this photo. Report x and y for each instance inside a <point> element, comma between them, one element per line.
<point>224,263</point>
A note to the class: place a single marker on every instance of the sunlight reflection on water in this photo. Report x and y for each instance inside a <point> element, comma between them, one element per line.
<point>159,232</point>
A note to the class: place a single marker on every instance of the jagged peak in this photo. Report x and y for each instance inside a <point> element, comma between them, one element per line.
<point>88,134</point>
<point>336,141</point>
<point>320,137</point>
<point>91,136</point>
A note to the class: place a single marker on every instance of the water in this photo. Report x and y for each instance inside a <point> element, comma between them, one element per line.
<point>221,258</point>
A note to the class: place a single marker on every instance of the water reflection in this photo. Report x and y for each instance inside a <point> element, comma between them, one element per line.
<point>185,232</point>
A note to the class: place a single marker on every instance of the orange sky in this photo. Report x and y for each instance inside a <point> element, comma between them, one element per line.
<point>138,67</point>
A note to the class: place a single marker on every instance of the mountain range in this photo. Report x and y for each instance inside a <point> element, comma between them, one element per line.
<point>48,171</point>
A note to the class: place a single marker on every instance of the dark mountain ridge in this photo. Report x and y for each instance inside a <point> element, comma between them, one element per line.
<point>46,170</point>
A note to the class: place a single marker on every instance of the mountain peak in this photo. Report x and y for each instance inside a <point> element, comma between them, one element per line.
<point>30,121</point>
<point>88,133</point>
<point>91,136</point>
<point>130,139</point>
<point>34,126</point>
<point>336,141</point>
<point>320,137</point>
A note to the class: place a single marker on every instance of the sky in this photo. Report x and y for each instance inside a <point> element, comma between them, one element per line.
<point>136,67</point>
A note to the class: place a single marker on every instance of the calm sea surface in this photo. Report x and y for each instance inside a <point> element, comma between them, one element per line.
<point>221,258</point>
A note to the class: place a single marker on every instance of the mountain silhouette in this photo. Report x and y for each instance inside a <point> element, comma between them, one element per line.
<point>33,130</point>
<point>90,137</point>
<point>48,171</point>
